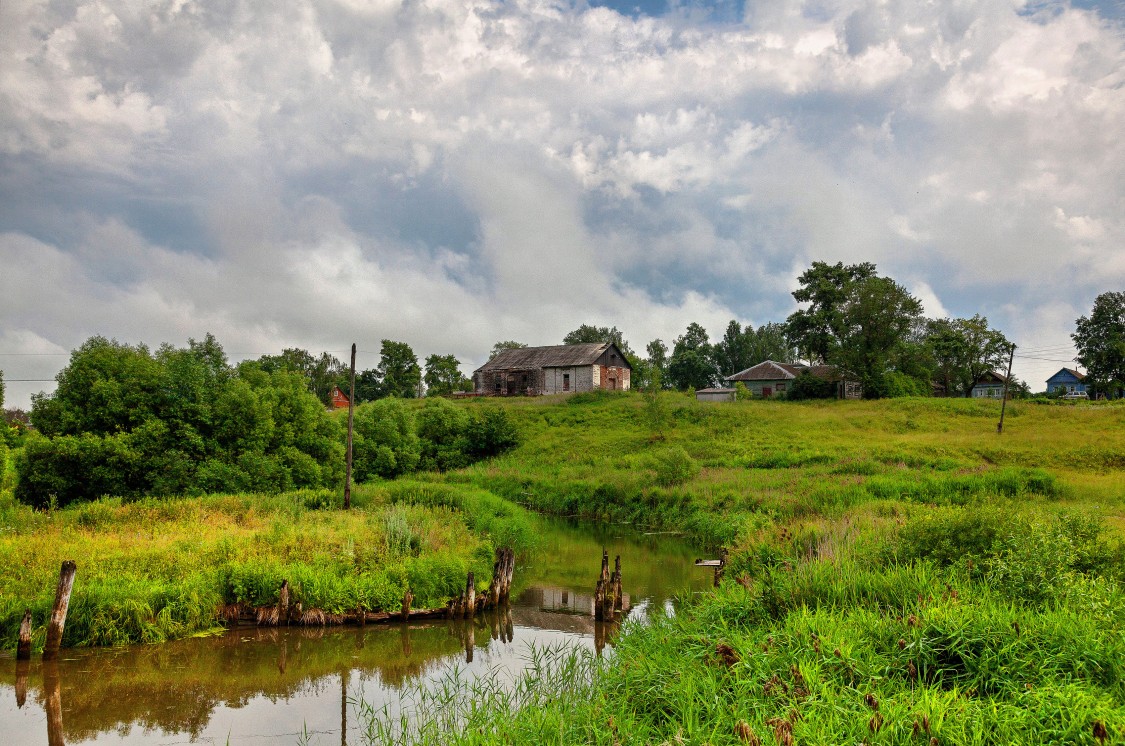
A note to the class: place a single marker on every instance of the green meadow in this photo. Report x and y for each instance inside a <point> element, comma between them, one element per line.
<point>899,572</point>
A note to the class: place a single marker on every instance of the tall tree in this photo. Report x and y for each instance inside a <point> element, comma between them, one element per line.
<point>399,372</point>
<point>368,386</point>
<point>818,330</point>
<point>501,346</point>
<point>735,351</point>
<point>657,364</point>
<point>321,373</point>
<point>1100,339</point>
<point>880,318</point>
<point>770,343</point>
<point>692,364</point>
<point>855,320</point>
<point>589,334</point>
<point>963,350</point>
<point>443,375</point>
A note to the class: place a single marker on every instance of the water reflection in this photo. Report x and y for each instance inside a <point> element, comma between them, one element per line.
<point>253,684</point>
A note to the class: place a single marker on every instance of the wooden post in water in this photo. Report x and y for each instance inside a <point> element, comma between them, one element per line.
<point>470,596</point>
<point>23,649</point>
<point>351,419</point>
<point>721,567</point>
<point>617,594</point>
<point>58,613</point>
<point>283,603</point>
<point>407,599</point>
<point>599,601</point>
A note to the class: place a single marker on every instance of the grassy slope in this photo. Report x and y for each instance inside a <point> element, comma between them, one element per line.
<point>906,575</point>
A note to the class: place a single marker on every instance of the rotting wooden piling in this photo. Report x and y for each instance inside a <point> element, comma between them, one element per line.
<point>618,595</point>
<point>407,599</point>
<point>23,649</point>
<point>283,603</point>
<point>58,614</point>
<point>470,596</point>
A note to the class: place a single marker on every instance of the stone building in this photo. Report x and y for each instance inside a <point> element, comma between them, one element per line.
<point>532,371</point>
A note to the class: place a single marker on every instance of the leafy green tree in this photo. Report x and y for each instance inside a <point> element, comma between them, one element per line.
<point>590,334</point>
<point>880,318</point>
<point>368,386</point>
<point>501,346</point>
<point>443,375</point>
<point>857,321</point>
<point>1100,339</point>
<point>692,364</point>
<point>963,350</point>
<point>735,351</point>
<point>770,343</point>
<point>741,348</point>
<point>657,364</point>
<point>322,373</point>
<point>399,372</point>
<point>818,330</point>
<point>108,387</point>
<point>490,432</point>
<point>125,422</point>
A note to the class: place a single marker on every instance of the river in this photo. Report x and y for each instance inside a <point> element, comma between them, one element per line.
<point>293,685</point>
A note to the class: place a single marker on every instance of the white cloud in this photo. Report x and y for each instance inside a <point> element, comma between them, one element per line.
<point>452,173</point>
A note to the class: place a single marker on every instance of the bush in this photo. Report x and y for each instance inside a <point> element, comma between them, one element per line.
<point>441,428</point>
<point>808,386</point>
<point>385,443</point>
<point>674,466</point>
<point>490,433</point>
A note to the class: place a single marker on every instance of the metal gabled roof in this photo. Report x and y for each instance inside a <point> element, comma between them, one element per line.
<point>554,356</point>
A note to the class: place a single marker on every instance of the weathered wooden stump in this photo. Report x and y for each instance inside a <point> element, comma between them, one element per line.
<point>58,613</point>
<point>23,649</point>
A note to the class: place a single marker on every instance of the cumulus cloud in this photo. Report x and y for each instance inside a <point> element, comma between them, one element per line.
<point>452,173</point>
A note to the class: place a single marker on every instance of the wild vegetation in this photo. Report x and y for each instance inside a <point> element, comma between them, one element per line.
<point>899,572</point>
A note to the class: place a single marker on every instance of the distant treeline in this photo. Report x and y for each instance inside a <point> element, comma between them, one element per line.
<point>128,422</point>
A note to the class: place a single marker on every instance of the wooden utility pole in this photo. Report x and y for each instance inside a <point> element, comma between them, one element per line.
<point>1004,401</point>
<point>351,418</point>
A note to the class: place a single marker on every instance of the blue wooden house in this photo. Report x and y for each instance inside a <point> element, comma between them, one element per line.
<point>1070,381</point>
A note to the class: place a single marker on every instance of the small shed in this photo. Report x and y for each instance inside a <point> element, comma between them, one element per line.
<point>339,399</point>
<point>715,394</point>
<point>558,369</point>
<point>990,386</point>
<point>1067,379</point>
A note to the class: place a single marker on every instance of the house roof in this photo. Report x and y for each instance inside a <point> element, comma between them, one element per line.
<point>767,371</point>
<point>1070,372</point>
<point>773,371</point>
<point>554,356</point>
<point>715,391</point>
<point>991,377</point>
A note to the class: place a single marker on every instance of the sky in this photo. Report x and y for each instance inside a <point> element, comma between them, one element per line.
<point>451,173</point>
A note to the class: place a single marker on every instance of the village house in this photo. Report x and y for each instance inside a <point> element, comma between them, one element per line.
<point>532,371</point>
<point>338,399</point>
<point>769,378</point>
<point>990,386</point>
<point>1069,380</point>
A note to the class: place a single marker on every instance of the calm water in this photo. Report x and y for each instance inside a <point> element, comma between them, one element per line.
<point>261,686</point>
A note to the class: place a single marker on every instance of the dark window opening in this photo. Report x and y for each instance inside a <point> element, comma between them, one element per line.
<point>566,382</point>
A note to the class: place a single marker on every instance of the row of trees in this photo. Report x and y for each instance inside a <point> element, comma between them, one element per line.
<point>126,421</point>
<point>865,325</point>
<point>397,375</point>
